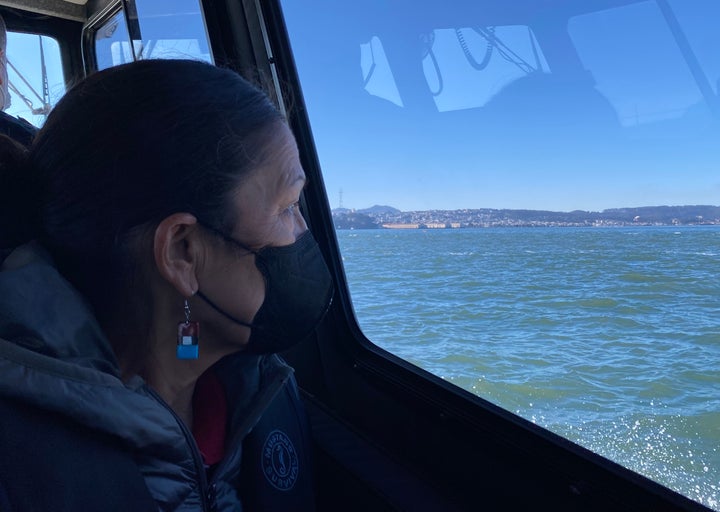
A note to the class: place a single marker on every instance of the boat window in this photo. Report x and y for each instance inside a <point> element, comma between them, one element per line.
<point>169,29</point>
<point>35,75</point>
<point>526,205</point>
<point>112,43</point>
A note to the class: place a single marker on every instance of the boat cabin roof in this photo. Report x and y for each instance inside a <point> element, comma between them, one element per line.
<point>490,10</point>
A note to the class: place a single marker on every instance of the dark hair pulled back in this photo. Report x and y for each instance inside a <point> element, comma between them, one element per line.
<point>135,143</point>
<point>127,147</point>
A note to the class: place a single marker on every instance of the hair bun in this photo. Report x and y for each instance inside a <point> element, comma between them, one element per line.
<point>19,195</point>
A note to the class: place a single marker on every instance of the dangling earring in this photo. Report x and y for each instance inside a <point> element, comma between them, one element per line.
<point>188,337</point>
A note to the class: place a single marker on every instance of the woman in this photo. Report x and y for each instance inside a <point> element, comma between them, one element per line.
<point>168,262</point>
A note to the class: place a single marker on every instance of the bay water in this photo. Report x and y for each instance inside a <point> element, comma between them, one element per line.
<point>609,337</point>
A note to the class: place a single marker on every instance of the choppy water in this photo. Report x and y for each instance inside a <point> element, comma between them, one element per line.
<point>607,336</point>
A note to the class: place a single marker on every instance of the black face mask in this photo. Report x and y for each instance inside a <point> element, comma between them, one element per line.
<point>298,293</point>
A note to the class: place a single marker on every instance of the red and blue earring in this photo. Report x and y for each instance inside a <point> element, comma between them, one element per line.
<point>188,337</point>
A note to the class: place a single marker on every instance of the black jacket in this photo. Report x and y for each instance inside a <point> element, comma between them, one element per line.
<point>75,437</point>
<point>17,128</point>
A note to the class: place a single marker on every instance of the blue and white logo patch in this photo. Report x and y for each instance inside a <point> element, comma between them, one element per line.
<point>280,461</point>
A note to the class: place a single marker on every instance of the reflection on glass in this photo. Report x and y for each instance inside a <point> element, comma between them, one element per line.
<point>645,78</point>
<point>169,29</point>
<point>159,30</point>
<point>468,66</point>
<point>376,71</point>
<point>112,44</point>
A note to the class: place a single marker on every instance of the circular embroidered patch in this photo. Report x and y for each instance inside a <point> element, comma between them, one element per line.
<point>280,461</point>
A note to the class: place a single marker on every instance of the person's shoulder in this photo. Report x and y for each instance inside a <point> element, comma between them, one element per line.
<point>17,128</point>
<point>49,462</point>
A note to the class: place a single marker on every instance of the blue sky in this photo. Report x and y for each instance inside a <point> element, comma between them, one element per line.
<point>378,146</point>
<point>642,136</point>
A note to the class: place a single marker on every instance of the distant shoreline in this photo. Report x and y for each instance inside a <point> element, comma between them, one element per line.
<point>387,217</point>
<point>412,227</point>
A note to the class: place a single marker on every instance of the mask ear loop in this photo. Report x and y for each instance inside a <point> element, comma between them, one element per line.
<point>228,238</point>
<point>200,294</point>
<point>188,337</point>
<point>223,312</point>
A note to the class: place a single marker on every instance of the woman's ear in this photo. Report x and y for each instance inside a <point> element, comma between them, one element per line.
<point>177,251</point>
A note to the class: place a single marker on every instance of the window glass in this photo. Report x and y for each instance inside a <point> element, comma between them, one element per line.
<point>35,76</point>
<point>112,43</point>
<point>529,208</point>
<point>169,29</point>
<point>158,29</point>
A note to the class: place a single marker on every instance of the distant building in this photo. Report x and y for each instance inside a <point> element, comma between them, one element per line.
<point>401,226</point>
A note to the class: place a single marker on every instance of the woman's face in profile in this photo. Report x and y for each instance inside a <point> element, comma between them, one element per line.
<point>267,213</point>
<point>266,202</point>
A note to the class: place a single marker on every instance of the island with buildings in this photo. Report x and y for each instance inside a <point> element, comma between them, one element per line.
<point>387,217</point>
